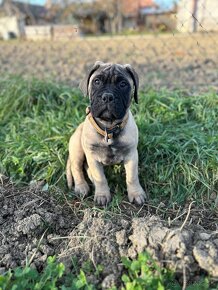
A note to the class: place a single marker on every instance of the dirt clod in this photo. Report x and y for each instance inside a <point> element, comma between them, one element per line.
<point>28,224</point>
<point>34,225</point>
<point>109,282</point>
<point>206,254</point>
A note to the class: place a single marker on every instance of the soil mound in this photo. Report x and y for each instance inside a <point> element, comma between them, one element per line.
<point>34,225</point>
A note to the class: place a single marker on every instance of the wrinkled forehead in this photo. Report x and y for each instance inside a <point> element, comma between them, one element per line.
<point>111,73</point>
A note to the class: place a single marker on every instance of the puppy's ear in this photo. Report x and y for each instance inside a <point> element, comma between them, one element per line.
<point>135,79</point>
<point>84,85</point>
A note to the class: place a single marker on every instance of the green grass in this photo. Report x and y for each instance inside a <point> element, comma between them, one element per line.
<point>178,144</point>
<point>178,141</point>
<point>140,274</point>
<point>53,277</point>
<point>144,273</point>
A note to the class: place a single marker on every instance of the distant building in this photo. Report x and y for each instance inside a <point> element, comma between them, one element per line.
<point>147,15</point>
<point>131,11</point>
<point>115,16</point>
<point>14,16</point>
<point>11,27</point>
<point>32,14</point>
<point>197,15</point>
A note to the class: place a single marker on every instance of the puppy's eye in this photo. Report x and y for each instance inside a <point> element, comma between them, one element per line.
<point>123,84</point>
<point>97,82</point>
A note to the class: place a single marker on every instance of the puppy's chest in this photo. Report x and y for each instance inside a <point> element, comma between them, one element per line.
<point>109,154</point>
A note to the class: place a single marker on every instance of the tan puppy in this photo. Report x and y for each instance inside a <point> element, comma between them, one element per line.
<point>108,135</point>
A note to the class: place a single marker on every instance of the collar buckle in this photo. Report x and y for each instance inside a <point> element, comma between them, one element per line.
<point>108,135</point>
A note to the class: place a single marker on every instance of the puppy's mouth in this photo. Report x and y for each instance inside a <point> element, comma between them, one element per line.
<point>104,114</point>
<point>107,115</point>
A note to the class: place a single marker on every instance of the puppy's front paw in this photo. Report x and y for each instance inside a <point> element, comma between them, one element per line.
<point>102,198</point>
<point>82,189</point>
<point>137,196</point>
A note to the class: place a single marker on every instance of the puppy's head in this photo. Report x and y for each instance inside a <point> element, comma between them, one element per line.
<point>109,87</point>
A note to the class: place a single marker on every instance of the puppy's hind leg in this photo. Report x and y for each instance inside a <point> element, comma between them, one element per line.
<point>75,164</point>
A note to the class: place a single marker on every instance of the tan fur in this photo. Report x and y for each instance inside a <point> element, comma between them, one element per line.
<point>81,145</point>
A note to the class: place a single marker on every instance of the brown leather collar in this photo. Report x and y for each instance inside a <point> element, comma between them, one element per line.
<point>107,133</point>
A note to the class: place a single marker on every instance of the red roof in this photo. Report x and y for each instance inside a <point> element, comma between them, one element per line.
<point>131,7</point>
<point>146,3</point>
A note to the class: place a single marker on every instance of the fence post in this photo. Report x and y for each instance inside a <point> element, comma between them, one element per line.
<point>194,15</point>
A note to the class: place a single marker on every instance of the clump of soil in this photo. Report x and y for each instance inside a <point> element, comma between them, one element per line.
<point>34,225</point>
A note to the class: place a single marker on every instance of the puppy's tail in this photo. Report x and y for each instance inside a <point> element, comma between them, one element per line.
<point>69,174</point>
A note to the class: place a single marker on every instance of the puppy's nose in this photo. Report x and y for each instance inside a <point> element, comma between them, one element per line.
<point>107,97</point>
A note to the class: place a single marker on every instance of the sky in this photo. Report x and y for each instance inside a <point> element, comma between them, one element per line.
<point>165,3</point>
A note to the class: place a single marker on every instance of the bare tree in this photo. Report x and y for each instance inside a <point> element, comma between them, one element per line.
<point>113,9</point>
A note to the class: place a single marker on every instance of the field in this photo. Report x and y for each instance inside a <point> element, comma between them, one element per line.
<point>172,61</point>
<point>171,241</point>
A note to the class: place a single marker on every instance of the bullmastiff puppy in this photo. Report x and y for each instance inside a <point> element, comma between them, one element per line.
<point>108,135</point>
